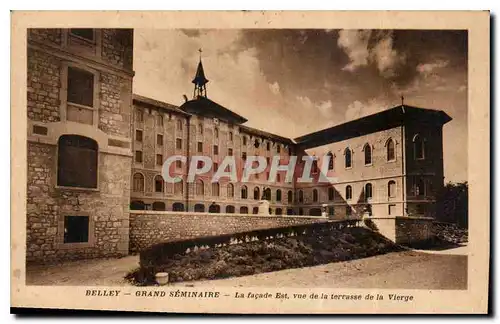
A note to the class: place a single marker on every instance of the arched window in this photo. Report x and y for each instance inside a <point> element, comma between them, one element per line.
<point>230,209</point>
<point>267,194</point>
<point>243,210</point>
<point>301,196</point>
<point>391,154</point>
<point>418,147</point>
<point>199,187</point>
<point>348,158</point>
<point>279,211</point>
<point>179,124</point>
<point>179,187</point>
<point>330,160</point>
<point>215,189</point>
<point>256,193</point>
<point>230,136</point>
<point>368,154</point>
<point>158,183</point>
<point>391,188</point>
<point>230,190</point>
<point>244,192</point>
<point>368,191</point>
<point>244,141</point>
<point>314,167</point>
<point>348,193</point>
<point>331,194</point>
<point>199,208</point>
<point>301,211</point>
<point>159,120</point>
<point>278,195</point>
<point>158,205</point>
<point>138,184</point>
<point>214,208</point>
<point>216,133</point>
<point>255,210</point>
<point>290,196</point>
<point>200,129</point>
<point>178,206</point>
<point>77,162</point>
<point>315,195</point>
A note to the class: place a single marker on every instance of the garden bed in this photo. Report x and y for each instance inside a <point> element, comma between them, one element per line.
<point>248,258</point>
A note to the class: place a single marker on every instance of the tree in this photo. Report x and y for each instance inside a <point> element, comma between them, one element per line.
<point>453,204</point>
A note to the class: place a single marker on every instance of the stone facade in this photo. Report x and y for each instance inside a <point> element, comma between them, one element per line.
<point>106,55</point>
<point>151,227</point>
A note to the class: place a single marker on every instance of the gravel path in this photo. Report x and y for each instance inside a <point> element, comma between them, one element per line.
<point>402,270</point>
<point>409,269</point>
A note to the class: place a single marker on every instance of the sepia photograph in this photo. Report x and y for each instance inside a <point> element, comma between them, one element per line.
<point>249,165</point>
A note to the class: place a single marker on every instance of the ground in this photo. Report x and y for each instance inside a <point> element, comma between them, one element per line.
<point>446,269</point>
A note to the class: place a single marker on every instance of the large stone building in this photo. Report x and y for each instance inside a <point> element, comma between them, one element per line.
<point>79,93</point>
<point>95,151</point>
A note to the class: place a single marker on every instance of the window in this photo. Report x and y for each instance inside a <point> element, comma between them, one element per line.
<point>179,187</point>
<point>178,143</point>
<point>368,154</point>
<point>391,154</point>
<point>301,196</point>
<point>244,140</point>
<point>314,167</point>
<point>159,159</point>
<point>368,191</point>
<point>80,87</point>
<point>138,135</point>
<point>199,187</point>
<point>420,187</point>
<point>348,193</point>
<point>331,193</point>
<point>159,120</point>
<point>178,164</point>
<point>200,147</point>
<point>348,158</point>
<point>139,115</point>
<point>268,146</point>
<point>256,193</point>
<point>290,196</point>
<point>230,209</point>
<point>158,183</point>
<point>138,156</point>
<point>392,209</point>
<point>244,156</point>
<point>76,229</point>
<point>77,162</point>
<point>256,143</point>
<point>178,206</point>
<point>418,147</point>
<point>200,129</point>
<point>230,190</point>
<point>85,33</point>
<point>216,150</point>
<point>244,192</point>
<point>278,148</point>
<point>138,184</point>
<point>215,166</point>
<point>278,195</point>
<point>230,136</point>
<point>159,139</point>
<point>330,160</point>
<point>278,177</point>
<point>179,125</point>
<point>301,211</point>
<point>216,133</point>
<point>331,211</point>
<point>230,151</point>
<point>391,188</point>
<point>215,189</point>
<point>315,195</point>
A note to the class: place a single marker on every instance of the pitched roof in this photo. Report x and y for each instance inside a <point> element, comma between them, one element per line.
<point>260,133</point>
<point>203,106</point>
<point>157,104</point>
<point>390,118</point>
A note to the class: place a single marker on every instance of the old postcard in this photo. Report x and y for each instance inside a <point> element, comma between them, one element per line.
<point>251,162</point>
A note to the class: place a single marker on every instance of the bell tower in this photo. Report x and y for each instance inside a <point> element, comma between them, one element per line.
<point>200,81</point>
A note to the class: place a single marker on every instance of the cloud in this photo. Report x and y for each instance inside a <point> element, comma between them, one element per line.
<point>358,109</point>
<point>428,68</point>
<point>364,47</point>
<point>355,45</point>
<point>323,107</point>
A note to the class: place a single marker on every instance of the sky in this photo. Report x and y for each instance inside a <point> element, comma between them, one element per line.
<point>292,82</point>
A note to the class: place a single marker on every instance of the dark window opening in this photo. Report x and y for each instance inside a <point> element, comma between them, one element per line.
<point>80,87</point>
<point>76,229</point>
<point>77,162</point>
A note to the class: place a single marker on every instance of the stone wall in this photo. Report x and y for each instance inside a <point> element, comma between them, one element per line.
<point>403,230</point>
<point>151,227</point>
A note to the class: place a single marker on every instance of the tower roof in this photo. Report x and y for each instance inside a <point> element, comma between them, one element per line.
<point>199,78</point>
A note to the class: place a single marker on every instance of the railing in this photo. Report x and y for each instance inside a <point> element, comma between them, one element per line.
<point>162,252</point>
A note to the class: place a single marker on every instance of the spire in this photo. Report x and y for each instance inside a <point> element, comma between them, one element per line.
<point>200,81</point>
